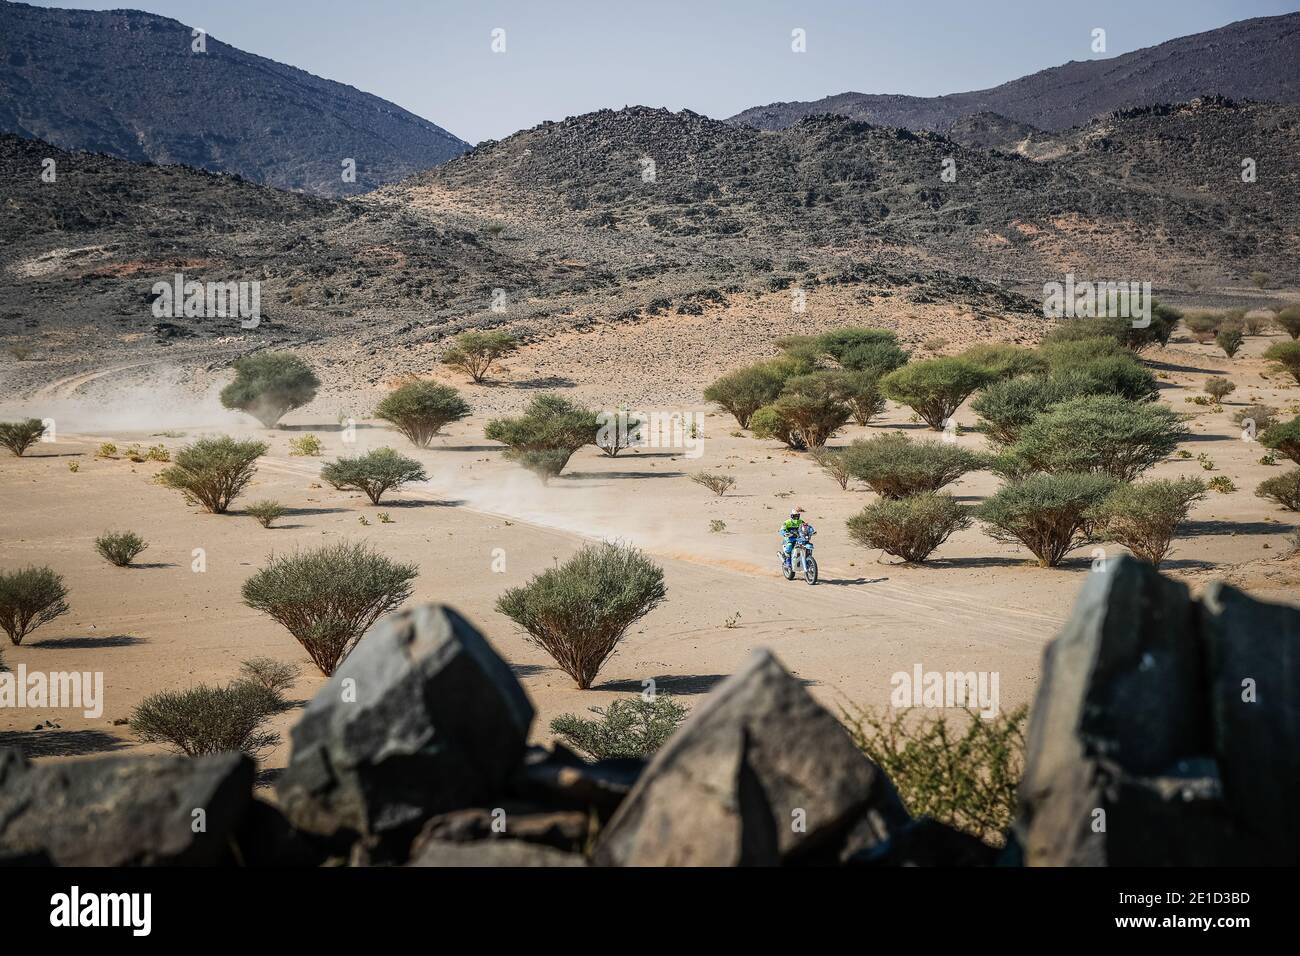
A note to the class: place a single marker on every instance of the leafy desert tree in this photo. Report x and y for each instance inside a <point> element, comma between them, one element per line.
<point>935,388</point>
<point>617,431</point>
<point>20,436</point>
<point>832,461</point>
<point>207,720</point>
<point>1230,338</point>
<point>120,547</point>
<point>545,437</point>
<point>1070,353</point>
<point>1114,375</point>
<point>628,727</point>
<point>1135,338</point>
<point>1284,489</point>
<point>745,390</point>
<point>213,471</point>
<point>1288,320</point>
<point>860,391</point>
<point>373,473</point>
<point>1144,517</point>
<point>1095,433</point>
<point>1002,360</point>
<point>1219,388</point>
<point>812,409</point>
<point>265,512</point>
<point>1048,514</point>
<point>1286,355</point>
<point>768,423</point>
<point>419,409</point>
<point>274,675</point>
<point>1283,437</point>
<point>1007,406</point>
<point>328,597</point>
<point>269,385</point>
<point>908,528</point>
<point>30,597</point>
<point>895,466</point>
<point>474,352</point>
<point>579,611</point>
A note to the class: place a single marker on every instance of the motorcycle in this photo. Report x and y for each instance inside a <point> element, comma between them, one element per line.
<point>801,560</point>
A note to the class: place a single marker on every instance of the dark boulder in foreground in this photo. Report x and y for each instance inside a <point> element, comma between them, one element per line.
<point>422,718</point>
<point>123,811</point>
<point>759,775</point>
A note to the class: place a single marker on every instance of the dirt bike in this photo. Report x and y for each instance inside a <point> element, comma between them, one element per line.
<point>801,560</point>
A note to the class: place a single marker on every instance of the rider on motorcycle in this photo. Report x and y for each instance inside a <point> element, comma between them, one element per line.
<point>792,529</point>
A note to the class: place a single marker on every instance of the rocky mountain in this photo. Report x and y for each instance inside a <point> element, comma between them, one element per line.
<point>131,85</point>
<point>1249,60</point>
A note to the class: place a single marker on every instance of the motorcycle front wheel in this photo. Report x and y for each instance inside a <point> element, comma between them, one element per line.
<point>810,569</point>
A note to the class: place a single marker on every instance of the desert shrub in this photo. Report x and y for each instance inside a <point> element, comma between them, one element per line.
<point>577,612</point>
<point>1284,489</point>
<point>1144,517</point>
<point>213,471</point>
<point>1095,433</point>
<point>718,484</point>
<point>327,597</point>
<point>265,512</point>
<point>617,431</point>
<point>106,450</point>
<point>269,385</point>
<point>1203,326</point>
<point>208,720</point>
<point>1219,388</point>
<point>811,408</point>
<point>545,437</point>
<point>30,597</point>
<point>419,409</point>
<point>859,390</point>
<point>158,453</point>
<point>768,423</point>
<point>878,356</point>
<point>832,461</point>
<point>1119,330</point>
<point>629,727</point>
<point>373,473</point>
<point>908,528</point>
<point>1286,355</point>
<point>963,776</point>
<point>1288,320</point>
<point>1230,339</point>
<point>1222,484</point>
<point>745,390</point>
<point>277,676</point>
<point>1113,375</point>
<point>1065,353</point>
<point>1253,324</point>
<point>895,466</point>
<point>1007,406</point>
<point>840,343</point>
<point>474,352</point>
<point>120,547</point>
<point>20,436</point>
<point>1048,514</point>
<point>935,388</point>
<point>308,446</point>
<point>1283,437</point>
<point>1001,360</point>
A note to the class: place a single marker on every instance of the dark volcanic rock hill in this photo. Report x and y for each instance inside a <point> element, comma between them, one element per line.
<point>128,84</point>
<point>1256,59</point>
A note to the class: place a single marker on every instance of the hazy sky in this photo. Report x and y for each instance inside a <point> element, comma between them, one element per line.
<point>717,57</point>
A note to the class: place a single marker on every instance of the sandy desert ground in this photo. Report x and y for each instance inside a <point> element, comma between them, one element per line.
<point>980,606</point>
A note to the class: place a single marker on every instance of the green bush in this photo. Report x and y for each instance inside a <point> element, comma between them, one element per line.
<point>277,676</point>
<point>1095,433</point>
<point>208,720</point>
<point>20,436</point>
<point>1288,320</point>
<point>935,388</point>
<point>718,484</point>
<point>374,473</point>
<point>545,437</point>
<point>768,423</point>
<point>1048,514</point>
<point>474,352</point>
<point>1062,354</point>
<point>631,727</point>
<point>269,385</point>
<point>1204,326</point>
<point>30,597</point>
<point>908,528</point>
<point>1113,375</point>
<point>213,471</point>
<point>307,446</point>
<point>265,512</point>
<point>1145,517</point>
<point>1284,489</point>
<point>745,390</point>
<point>1121,331</point>
<point>965,777</point>
<point>1287,355</point>
<point>419,409</point>
<point>1219,388</point>
<point>617,431</point>
<point>811,408</point>
<point>1007,406</point>
<point>876,355</point>
<point>1001,360</point>
<point>577,612</point>
<point>1283,437</point>
<point>832,461</point>
<point>895,466</point>
<point>120,547</point>
<point>1230,339</point>
<point>860,391</point>
<point>328,597</point>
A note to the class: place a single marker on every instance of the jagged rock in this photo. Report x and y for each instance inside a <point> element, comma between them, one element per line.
<point>759,775</point>
<point>123,811</point>
<point>560,778</point>
<point>266,838</point>
<point>926,842</point>
<point>562,829</point>
<point>493,853</point>
<point>422,718</point>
